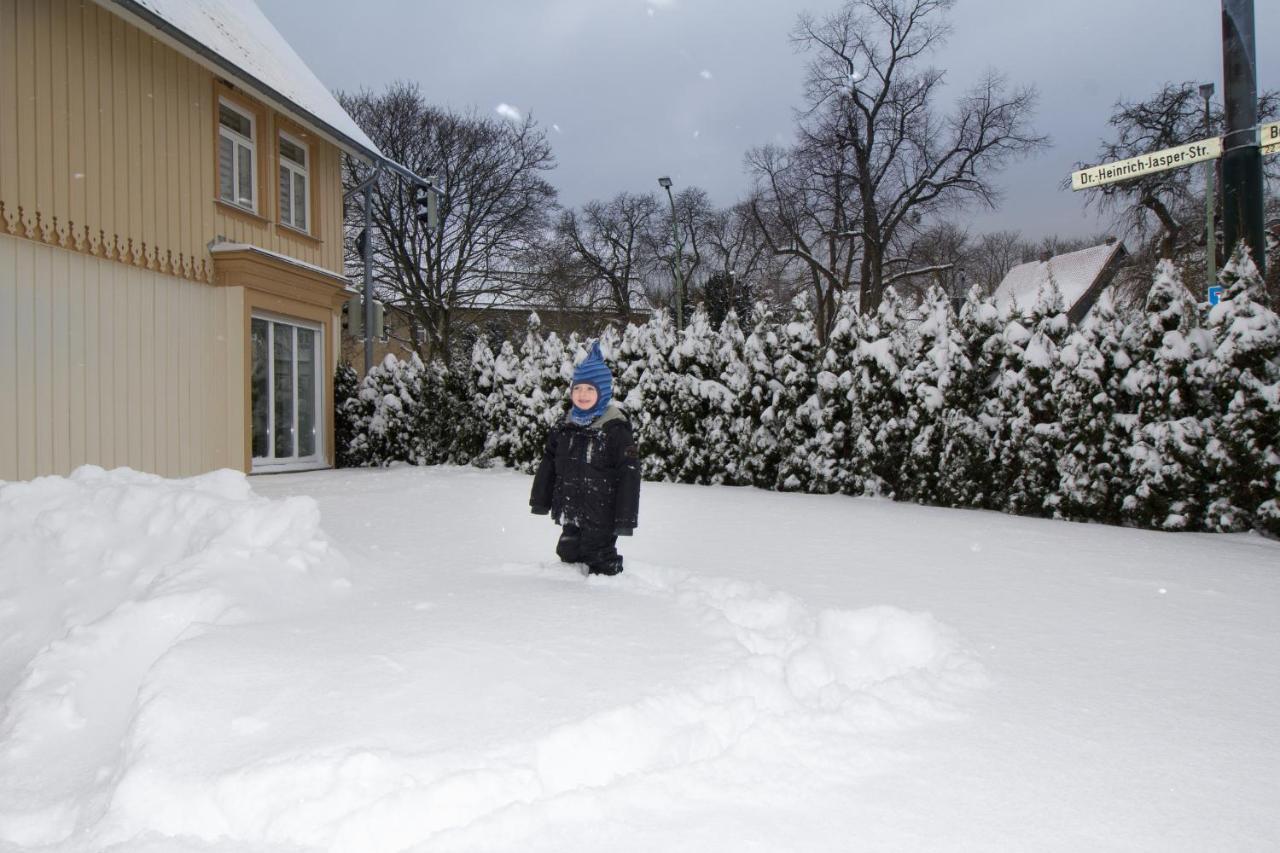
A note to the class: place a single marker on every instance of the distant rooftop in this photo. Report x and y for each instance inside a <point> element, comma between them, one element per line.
<point>1081,277</point>
<point>236,37</point>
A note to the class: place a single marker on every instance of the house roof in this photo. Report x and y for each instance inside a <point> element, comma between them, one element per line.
<point>236,39</point>
<point>1080,277</point>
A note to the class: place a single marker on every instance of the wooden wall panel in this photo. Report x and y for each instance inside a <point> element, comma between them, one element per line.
<point>8,364</point>
<point>114,365</point>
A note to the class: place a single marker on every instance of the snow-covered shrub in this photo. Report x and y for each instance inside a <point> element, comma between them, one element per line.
<point>1168,475</point>
<point>762,448</point>
<point>387,429</point>
<point>648,404</point>
<point>827,458</point>
<point>884,349</point>
<point>347,410</point>
<point>1164,419</point>
<point>940,396</point>
<point>1243,380</point>
<point>796,404</point>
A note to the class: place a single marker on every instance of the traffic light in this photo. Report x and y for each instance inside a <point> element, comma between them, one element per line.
<point>428,199</point>
<point>362,243</point>
<point>353,319</point>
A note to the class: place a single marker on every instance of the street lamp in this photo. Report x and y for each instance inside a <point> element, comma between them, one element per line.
<point>665,183</point>
<point>1210,239</point>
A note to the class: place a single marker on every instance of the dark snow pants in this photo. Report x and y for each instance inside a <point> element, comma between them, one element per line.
<point>597,548</point>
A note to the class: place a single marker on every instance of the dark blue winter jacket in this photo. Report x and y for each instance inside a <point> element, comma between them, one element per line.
<point>589,476</point>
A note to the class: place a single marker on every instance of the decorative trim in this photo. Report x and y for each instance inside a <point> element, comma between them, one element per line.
<point>33,225</point>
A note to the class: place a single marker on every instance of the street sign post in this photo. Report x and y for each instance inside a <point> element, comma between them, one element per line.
<point>1269,138</point>
<point>1145,164</point>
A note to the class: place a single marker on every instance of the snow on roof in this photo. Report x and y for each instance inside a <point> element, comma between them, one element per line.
<point>1074,273</point>
<point>237,32</point>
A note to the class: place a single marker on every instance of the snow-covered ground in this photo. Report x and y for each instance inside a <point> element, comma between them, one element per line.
<point>370,660</point>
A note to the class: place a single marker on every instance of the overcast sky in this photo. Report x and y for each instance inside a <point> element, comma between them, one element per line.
<point>632,89</point>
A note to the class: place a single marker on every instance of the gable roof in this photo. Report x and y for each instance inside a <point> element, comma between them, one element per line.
<point>234,38</point>
<point>1081,276</point>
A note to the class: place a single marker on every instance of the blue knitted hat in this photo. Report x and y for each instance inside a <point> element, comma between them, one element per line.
<point>594,372</point>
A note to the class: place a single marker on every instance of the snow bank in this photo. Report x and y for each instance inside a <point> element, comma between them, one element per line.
<point>783,674</point>
<point>102,574</point>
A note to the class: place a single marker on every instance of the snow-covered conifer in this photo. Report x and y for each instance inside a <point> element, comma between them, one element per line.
<point>347,412</point>
<point>1244,383</point>
<point>833,458</point>
<point>1165,384</point>
<point>883,351</point>
<point>762,450</point>
<point>946,439</point>
<point>797,405</point>
<point>701,405</point>
<point>651,381</point>
<point>391,393</point>
<point>1029,438</point>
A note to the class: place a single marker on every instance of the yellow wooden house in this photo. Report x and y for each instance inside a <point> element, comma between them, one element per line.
<point>171,244</point>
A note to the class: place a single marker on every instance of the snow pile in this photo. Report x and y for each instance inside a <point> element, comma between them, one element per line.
<point>102,575</point>
<point>782,674</point>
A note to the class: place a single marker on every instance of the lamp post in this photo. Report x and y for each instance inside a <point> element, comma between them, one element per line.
<point>665,183</point>
<point>1210,235</point>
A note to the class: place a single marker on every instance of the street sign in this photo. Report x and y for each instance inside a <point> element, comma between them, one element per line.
<point>1269,138</point>
<point>1215,294</point>
<point>1145,164</point>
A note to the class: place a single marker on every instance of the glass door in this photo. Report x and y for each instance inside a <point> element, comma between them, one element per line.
<point>285,389</point>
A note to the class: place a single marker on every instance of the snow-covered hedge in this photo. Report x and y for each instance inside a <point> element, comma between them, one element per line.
<point>1167,418</point>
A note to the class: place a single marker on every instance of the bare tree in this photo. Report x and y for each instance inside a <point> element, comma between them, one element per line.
<point>608,244</point>
<point>944,249</point>
<point>733,242</point>
<point>495,210</point>
<point>693,216</point>
<point>868,91</point>
<point>992,257</point>
<point>805,206</point>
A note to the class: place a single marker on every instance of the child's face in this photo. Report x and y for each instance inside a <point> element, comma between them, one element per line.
<point>584,396</point>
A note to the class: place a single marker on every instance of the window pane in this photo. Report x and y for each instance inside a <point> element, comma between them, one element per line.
<point>296,153</point>
<point>307,362</point>
<point>245,177</point>
<point>282,417</point>
<point>261,390</point>
<point>300,202</point>
<point>286,199</point>
<point>229,118</point>
<point>226,167</point>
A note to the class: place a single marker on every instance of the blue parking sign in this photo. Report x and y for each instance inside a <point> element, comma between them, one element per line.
<point>1215,294</point>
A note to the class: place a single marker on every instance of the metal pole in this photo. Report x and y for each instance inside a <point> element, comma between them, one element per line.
<point>368,279</point>
<point>675,235</point>
<point>1210,233</point>
<point>1241,158</point>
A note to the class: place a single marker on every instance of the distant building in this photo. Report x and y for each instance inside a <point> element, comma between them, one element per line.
<point>1081,277</point>
<point>503,319</point>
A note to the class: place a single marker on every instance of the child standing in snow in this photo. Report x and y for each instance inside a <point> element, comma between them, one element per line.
<point>589,477</point>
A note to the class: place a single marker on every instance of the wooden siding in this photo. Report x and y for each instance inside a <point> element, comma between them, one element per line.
<point>108,147</point>
<point>110,364</point>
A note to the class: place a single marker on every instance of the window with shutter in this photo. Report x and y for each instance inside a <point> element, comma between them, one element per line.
<point>236,162</point>
<point>294,175</point>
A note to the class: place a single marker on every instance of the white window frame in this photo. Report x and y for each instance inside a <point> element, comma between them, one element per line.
<point>241,141</point>
<point>270,464</point>
<point>293,169</point>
